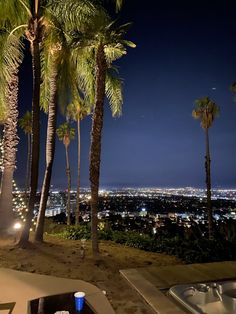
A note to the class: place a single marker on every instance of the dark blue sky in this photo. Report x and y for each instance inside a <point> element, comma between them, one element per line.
<point>185,50</point>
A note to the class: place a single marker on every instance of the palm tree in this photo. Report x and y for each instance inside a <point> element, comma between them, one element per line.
<point>34,34</point>
<point>206,110</point>
<point>31,22</point>
<point>77,111</point>
<point>55,55</point>
<point>108,45</point>
<point>11,57</point>
<point>98,76</point>
<point>65,134</point>
<point>26,124</point>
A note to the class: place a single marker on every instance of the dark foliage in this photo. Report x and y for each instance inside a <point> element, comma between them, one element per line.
<point>189,250</point>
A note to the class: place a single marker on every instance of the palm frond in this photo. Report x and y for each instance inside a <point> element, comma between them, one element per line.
<point>75,13</point>
<point>206,110</point>
<point>13,13</point>
<point>11,56</point>
<point>78,109</point>
<point>195,114</point>
<point>65,131</point>
<point>26,122</point>
<point>66,78</point>
<point>118,4</point>
<point>114,52</point>
<point>85,66</point>
<point>114,92</point>
<point>129,43</point>
<point>45,74</point>
<point>26,7</point>
<point>51,56</point>
<point>123,28</point>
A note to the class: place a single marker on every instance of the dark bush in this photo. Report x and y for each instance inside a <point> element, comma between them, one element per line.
<point>77,232</point>
<point>191,251</point>
<point>105,235</point>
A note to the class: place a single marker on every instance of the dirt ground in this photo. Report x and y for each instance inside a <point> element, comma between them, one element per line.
<point>61,258</point>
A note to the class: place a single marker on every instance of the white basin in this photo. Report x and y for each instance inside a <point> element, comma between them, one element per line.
<point>210,298</point>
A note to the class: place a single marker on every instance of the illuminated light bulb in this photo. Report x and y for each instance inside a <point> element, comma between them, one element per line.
<point>17,226</point>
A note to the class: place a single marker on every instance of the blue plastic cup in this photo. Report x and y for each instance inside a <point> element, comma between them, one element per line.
<point>79,300</point>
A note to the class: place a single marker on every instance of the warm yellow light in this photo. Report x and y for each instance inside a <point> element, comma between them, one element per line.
<point>17,226</point>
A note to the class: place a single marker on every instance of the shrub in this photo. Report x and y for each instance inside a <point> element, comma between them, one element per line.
<point>119,237</point>
<point>52,227</point>
<point>191,251</point>
<point>105,235</point>
<point>77,232</point>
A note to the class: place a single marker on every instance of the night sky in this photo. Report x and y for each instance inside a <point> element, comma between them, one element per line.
<point>185,50</point>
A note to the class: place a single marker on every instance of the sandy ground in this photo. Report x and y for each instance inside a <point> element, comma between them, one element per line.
<point>61,258</point>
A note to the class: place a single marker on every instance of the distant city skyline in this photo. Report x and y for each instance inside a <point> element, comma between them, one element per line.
<point>184,51</point>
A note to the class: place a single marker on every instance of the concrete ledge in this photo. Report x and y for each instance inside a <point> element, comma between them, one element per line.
<point>154,297</point>
<point>148,281</point>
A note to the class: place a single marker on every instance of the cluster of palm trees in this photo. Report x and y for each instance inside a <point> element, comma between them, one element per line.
<point>73,45</point>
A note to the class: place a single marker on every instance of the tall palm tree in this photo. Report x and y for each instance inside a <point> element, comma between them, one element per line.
<point>206,110</point>
<point>11,57</point>
<point>30,21</point>
<point>34,34</point>
<point>26,124</point>
<point>65,134</point>
<point>77,111</point>
<point>55,55</point>
<point>101,47</point>
<point>107,45</point>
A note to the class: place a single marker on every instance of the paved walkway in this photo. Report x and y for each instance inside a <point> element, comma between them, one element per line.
<point>149,280</point>
<point>20,287</point>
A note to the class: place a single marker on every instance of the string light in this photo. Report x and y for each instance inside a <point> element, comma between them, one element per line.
<point>19,205</point>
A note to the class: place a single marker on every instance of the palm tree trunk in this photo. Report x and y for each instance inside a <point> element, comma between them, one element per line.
<point>208,185</point>
<point>69,185</point>
<point>78,178</point>
<point>6,204</point>
<point>50,151</point>
<point>10,141</point>
<point>95,148</point>
<point>35,51</point>
<point>27,179</point>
